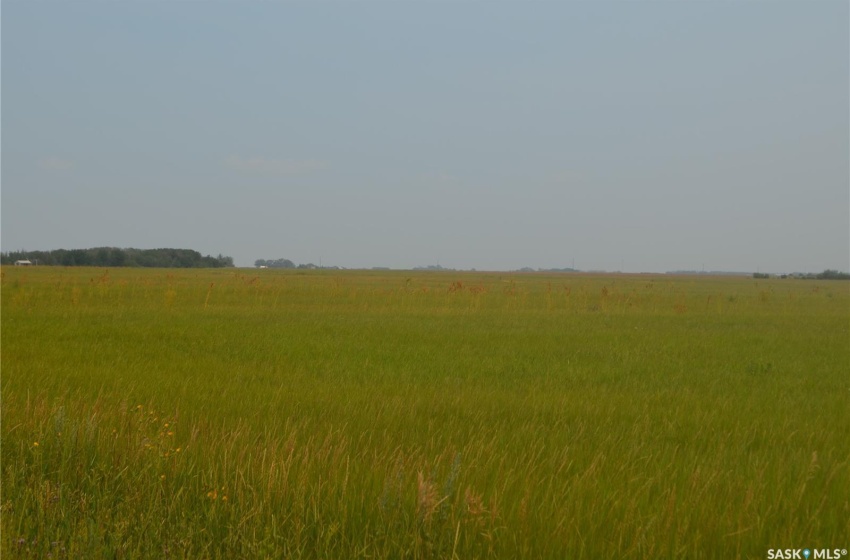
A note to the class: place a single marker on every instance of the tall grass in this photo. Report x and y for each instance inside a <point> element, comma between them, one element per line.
<point>266,414</point>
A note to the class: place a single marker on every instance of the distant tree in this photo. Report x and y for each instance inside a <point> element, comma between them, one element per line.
<point>78,257</point>
<point>101,257</point>
<point>281,263</point>
<point>225,262</point>
<point>833,275</point>
<point>117,257</point>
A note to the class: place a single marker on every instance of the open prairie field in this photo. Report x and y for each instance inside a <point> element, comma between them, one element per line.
<point>284,414</point>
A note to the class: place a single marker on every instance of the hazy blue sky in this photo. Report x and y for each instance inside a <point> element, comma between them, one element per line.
<point>649,135</point>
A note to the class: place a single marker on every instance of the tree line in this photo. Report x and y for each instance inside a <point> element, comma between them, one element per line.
<point>831,275</point>
<point>286,263</point>
<point>115,257</point>
<point>825,275</point>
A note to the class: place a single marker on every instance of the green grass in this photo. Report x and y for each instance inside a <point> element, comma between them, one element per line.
<point>267,414</point>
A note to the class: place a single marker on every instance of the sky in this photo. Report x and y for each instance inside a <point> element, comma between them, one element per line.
<point>642,136</point>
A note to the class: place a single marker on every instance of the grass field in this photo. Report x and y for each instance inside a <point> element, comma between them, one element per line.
<point>268,414</point>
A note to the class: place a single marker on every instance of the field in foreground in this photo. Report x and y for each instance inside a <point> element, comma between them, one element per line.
<point>267,414</point>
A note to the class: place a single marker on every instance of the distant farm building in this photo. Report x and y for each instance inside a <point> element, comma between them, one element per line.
<point>23,263</point>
